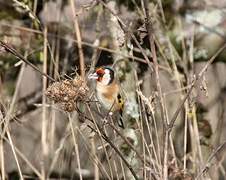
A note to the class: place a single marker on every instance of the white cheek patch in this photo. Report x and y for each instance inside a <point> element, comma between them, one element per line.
<point>106,77</point>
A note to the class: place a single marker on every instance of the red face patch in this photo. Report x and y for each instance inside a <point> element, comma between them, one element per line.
<point>100,72</point>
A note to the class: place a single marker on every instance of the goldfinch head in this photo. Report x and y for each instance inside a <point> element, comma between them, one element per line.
<point>103,75</point>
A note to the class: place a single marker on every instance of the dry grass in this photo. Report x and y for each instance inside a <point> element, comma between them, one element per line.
<point>166,135</point>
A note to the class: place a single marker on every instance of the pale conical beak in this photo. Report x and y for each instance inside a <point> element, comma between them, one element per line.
<point>93,76</point>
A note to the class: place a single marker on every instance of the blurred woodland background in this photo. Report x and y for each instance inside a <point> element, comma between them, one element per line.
<point>169,56</point>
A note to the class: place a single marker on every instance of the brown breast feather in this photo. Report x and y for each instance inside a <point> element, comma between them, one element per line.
<point>110,92</point>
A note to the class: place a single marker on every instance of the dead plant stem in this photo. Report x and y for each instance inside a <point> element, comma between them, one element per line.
<point>2,159</point>
<point>159,89</point>
<point>20,57</point>
<point>44,109</point>
<point>102,134</point>
<point>213,154</point>
<point>75,145</point>
<point>14,153</point>
<point>22,156</point>
<point>196,78</point>
<point>102,143</point>
<point>79,39</point>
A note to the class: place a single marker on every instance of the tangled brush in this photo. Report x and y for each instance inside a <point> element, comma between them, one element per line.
<point>68,92</point>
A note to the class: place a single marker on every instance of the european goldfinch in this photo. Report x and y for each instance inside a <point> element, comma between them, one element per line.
<point>107,90</point>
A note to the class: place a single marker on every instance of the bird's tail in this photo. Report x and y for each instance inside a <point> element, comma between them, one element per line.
<point>120,121</point>
<point>121,107</point>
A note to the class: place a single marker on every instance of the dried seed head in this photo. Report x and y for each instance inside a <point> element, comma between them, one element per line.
<point>68,92</point>
<point>68,106</point>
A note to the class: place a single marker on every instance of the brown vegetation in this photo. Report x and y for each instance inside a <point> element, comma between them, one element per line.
<point>169,57</point>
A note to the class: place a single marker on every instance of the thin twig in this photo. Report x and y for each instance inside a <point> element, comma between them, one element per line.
<point>159,89</point>
<point>13,101</point>
<point>14,153</point>
<point>2,159</point>
<point>214,153</point>
<point>138,59</point>
<point>74,138</point>
<point>20,57</point>
<point>93,120</point>
<point>94,158</point>
<point>124,28</point>
<point>105,137</point>
<point>95,162</point>
<point>196,78</point>
<point>22,156</point>
<point>121,135</point>
<point>44,109</point>
<point>128,143</point>
<point>117,151</point>
<point>79,39</point>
